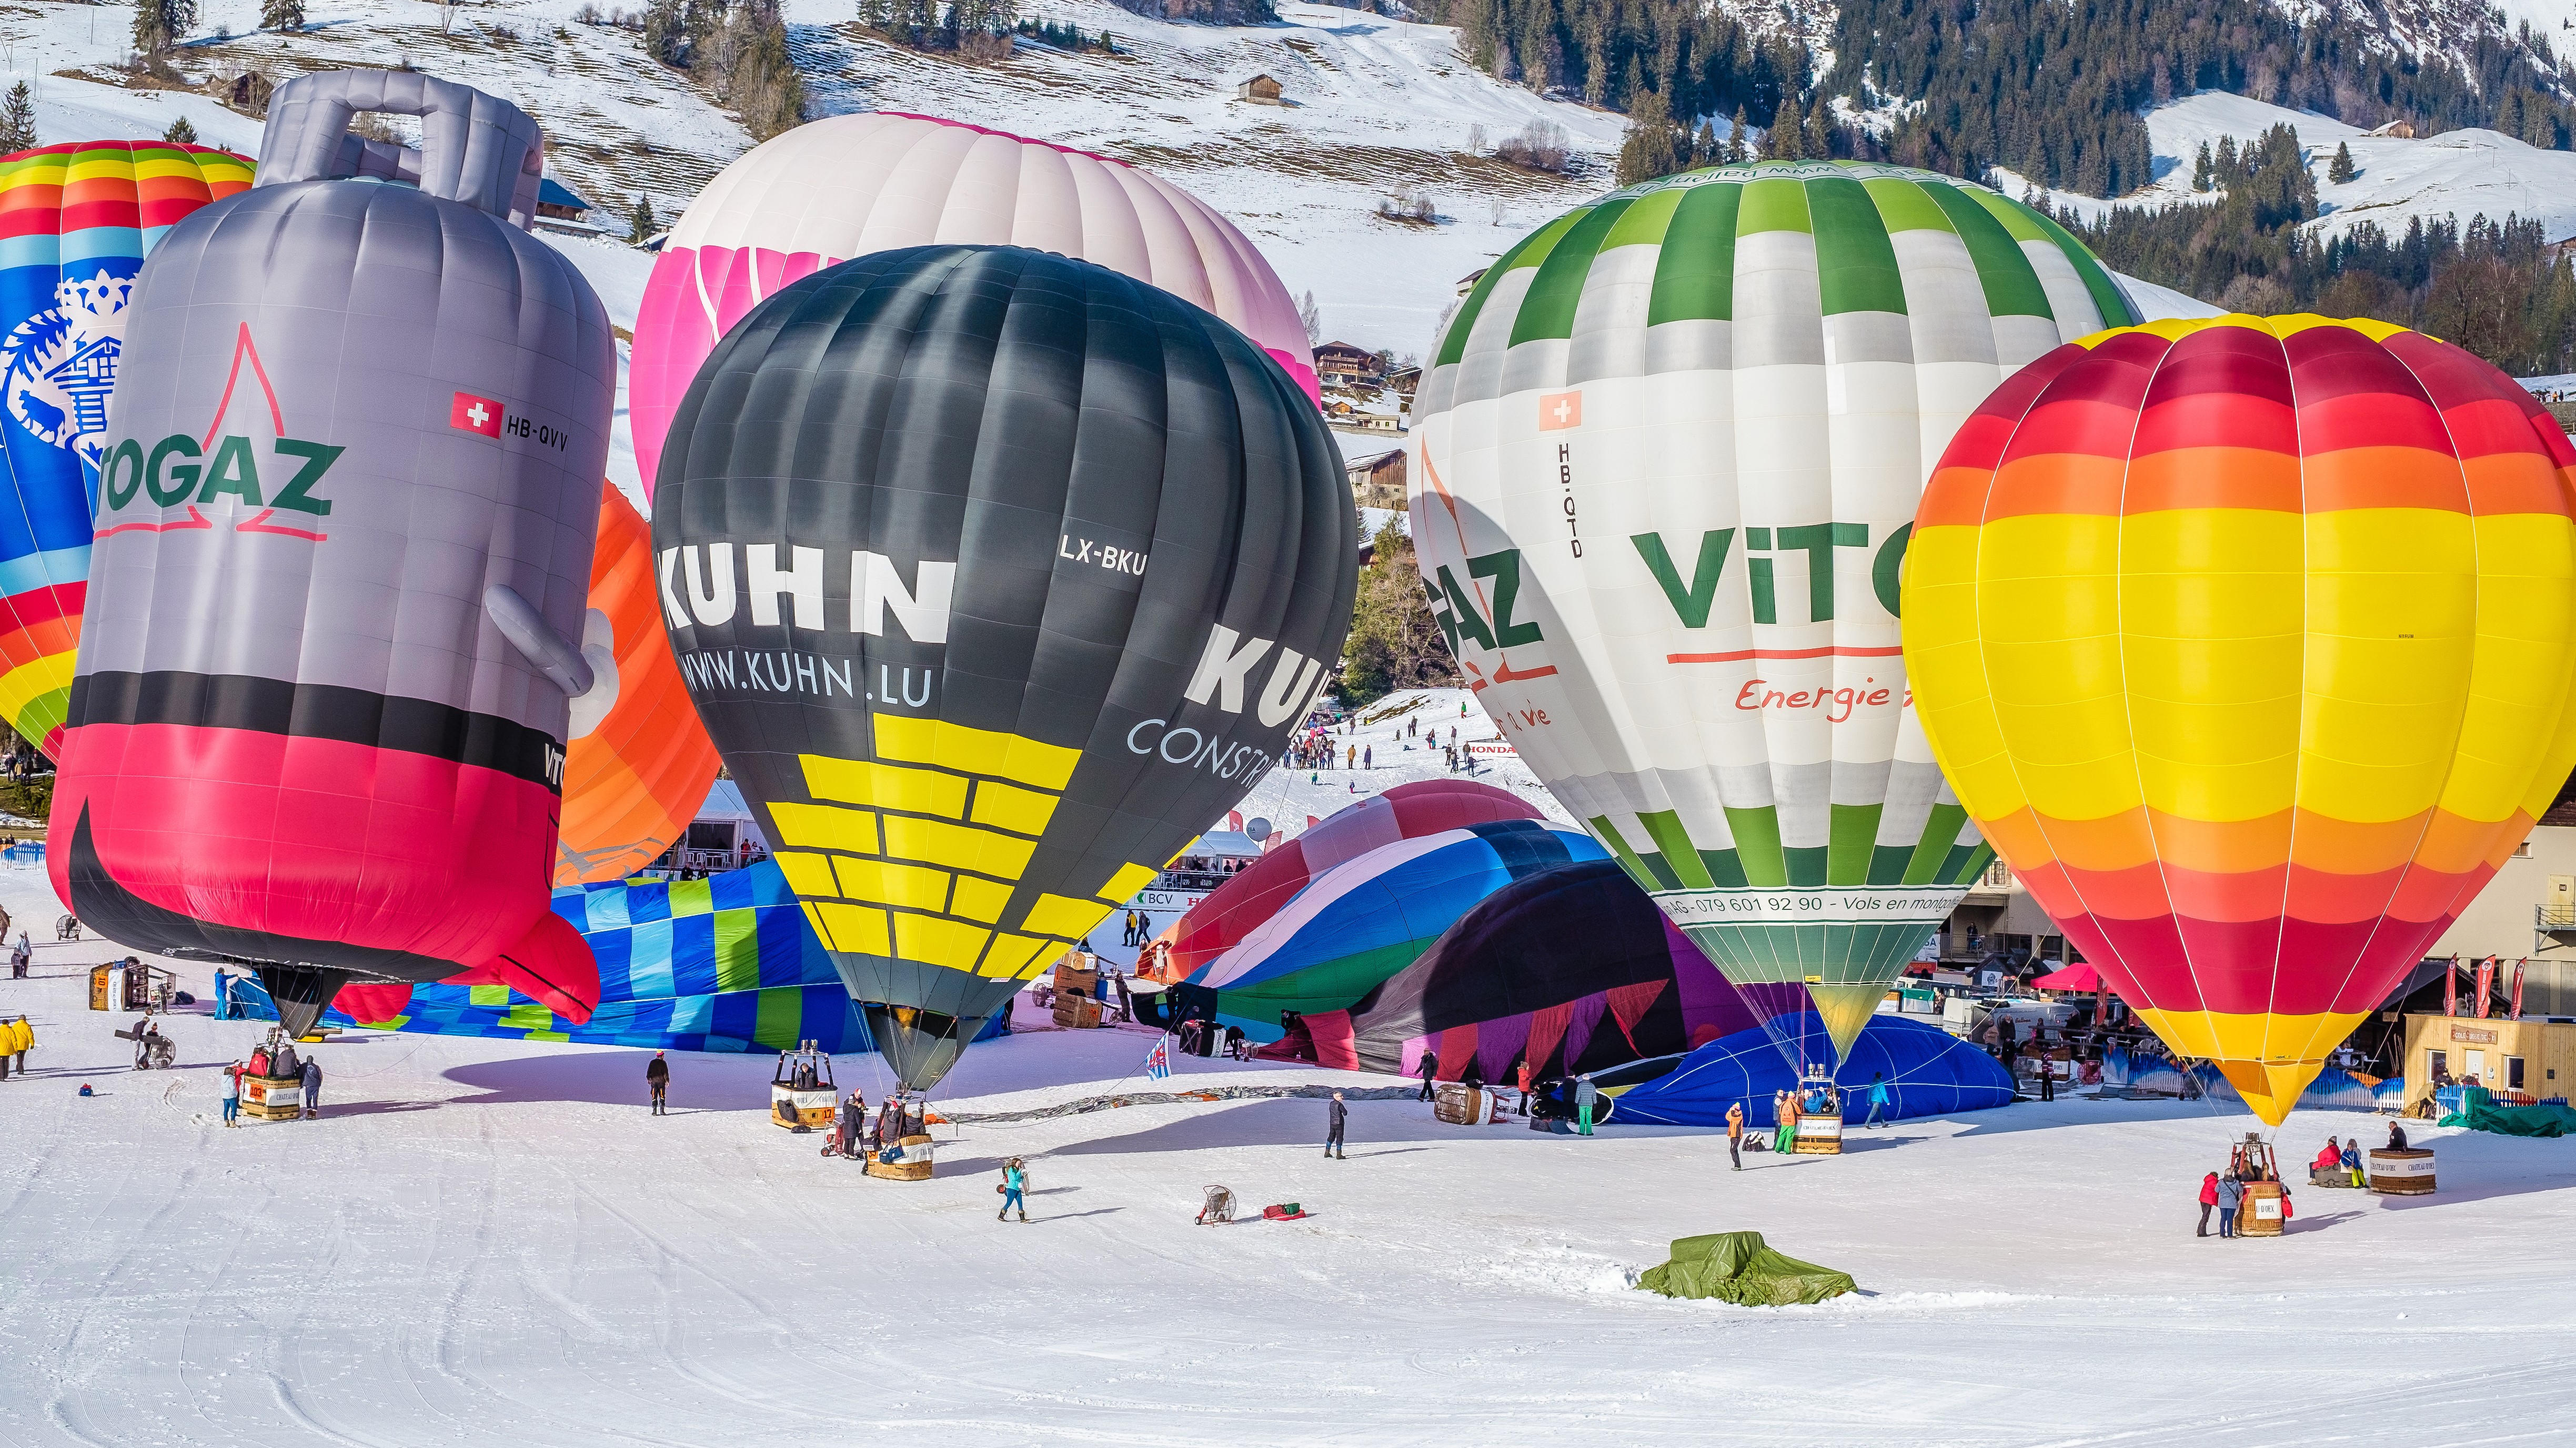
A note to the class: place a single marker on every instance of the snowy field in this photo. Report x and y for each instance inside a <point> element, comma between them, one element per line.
<point>492,1242</point>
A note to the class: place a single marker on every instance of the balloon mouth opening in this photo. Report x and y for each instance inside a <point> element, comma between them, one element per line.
<point>920,1045</point>
<point>300,993</point>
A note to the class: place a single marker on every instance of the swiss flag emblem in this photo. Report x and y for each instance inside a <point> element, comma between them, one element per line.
<point>1555,410</point>
<point>475,414</point>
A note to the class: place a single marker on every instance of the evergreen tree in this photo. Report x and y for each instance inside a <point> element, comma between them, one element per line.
<point>640,221</point>
<point>281,15</point>
<point>1735,147</point>
<point>2201,169</point>
<point>1649,149</point>
<point>2342,169</point>
<point>158,25</point>
<point>1394,641</point>
<point>180,133</point>
<point>1782,143</point>
<point>18,120</point>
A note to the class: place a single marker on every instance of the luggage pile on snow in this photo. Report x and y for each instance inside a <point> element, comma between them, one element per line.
<point>1736,1267</point>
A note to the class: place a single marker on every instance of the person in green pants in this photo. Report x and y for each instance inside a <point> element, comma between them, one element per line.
<point>1784,1109</point>
<point>1586,1096</point>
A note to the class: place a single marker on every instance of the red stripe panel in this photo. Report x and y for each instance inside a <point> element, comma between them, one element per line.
<point>311,838</point>
<point>2227,362</point>
<point>2372,419</point>
<point>102,211</point>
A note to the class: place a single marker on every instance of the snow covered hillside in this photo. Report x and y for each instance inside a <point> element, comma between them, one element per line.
<point>2457,173</point>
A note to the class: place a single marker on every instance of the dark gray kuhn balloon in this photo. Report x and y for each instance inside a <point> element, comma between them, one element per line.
<point>996,577</point>
<point>342,554</point>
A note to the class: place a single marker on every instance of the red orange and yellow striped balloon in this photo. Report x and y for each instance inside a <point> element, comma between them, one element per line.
<point>2249,642</point>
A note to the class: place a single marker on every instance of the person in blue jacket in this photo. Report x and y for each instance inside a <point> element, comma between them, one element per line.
<point>1015,1186</point>
<point>2231,1195</point>
<point>1877,1097</point>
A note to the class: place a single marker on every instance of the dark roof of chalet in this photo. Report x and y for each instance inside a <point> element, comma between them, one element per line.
<point>1372,464</point>
<point>551,192</point>
<point>1344,347</point>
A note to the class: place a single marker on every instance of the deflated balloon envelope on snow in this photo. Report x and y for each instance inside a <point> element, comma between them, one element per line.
<point>344,540</point>
<point>995,576</point>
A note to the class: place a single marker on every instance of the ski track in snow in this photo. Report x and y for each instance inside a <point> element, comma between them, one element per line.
<point>492,1242</point>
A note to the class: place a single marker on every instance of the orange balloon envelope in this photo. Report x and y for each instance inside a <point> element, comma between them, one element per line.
<point>2249,642</point>
<point>636,778</point>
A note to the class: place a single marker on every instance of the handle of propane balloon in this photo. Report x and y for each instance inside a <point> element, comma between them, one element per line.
<point>580,671</point>
<point>475,148</point>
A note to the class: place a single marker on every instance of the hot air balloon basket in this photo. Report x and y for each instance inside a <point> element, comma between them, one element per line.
<point>1462,1105</point>
<point>1075,1013</point>
<point>911,1161</point>
<point>802,1110</point>
<point>272,1098</point>
<point>2401,1173</point>
<point>2264,1210</point>
<point>1818,1136</point>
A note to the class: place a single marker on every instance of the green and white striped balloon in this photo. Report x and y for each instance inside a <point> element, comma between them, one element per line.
<point>1663,472</point>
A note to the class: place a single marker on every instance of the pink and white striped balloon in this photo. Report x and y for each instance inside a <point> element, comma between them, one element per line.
<point>846,186</point>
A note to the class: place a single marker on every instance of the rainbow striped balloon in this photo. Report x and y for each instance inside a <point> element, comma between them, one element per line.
<point>75,223</point>
<point>2249,642</point>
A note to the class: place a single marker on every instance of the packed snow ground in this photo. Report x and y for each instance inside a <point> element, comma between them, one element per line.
<point>492,1242</point>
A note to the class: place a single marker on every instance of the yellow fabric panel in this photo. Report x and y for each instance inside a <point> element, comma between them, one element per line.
<point>810,876</point>
<point>34,679</point>
<point>1009,807</point>
<point>890,884</point>
<point>936,941</point>
<point>860,781</point>
<point>1009,955</point>
<point>980,899</point>
<point>1122,887</point>
<point>1058,915</point>
<point>959,847</point>
<point>975,751</point>
<point>856,929</point>
<point>814,917</point>
<point>826,827</point>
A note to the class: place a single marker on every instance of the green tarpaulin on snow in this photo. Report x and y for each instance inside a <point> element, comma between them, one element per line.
<point>2482,1114</point>
<point>1736,1267</point>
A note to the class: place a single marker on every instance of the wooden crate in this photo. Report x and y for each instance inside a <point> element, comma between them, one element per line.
<point>1077,1012</point>
<point>1072,980</point>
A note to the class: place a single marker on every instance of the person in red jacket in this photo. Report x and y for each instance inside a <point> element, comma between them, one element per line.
<point>2208,1199</point>
<point>2330,1159</point>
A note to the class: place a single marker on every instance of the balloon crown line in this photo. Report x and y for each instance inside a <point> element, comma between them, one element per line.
<point>1005,135</point>
<point>1743,173</point>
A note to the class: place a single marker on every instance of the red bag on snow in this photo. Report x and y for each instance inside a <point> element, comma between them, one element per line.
<point>1283,1213</point>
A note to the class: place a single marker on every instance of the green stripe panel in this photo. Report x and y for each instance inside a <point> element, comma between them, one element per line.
<point>487,995</point>
<point>1724,867</point>
<point>737,950</point>
<point>1548,310</point>
<point>1847,955</point>
<point>1757,844</point>
<point>2106,297</point>
<point>1853,838</point>
<point>780,1023</point>
<point>1806,863</point>
<point>1887,863</point>
<point>1967,862</point>
<point>692,897</point>
<point>1776,204</point>
<point>1646,221</point>
<point>1530,250</point>
<point>2012,287</point>
<point>2018,220</point>
<point>1905,205</point>
<point>1695,274</point>
<point>1932,848</point>
<point>1855,263</point>
<point>1658,872</point>
<point>1608,834</point>
<point>1674,843</point>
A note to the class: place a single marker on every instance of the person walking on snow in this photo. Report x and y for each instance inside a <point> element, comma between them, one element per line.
<point>1586,1097</point>
<point>1337,1116</point>
<point>1429,1068</point>
<point>2208,1199</point>
<point>657,1074</point>
<point>1351,758</point>
<point>1877,1097</point>
<point>1524,1082</point>
<point>1735,1135</point>
<point>2231,1193</point>
<point>1015,1186</point>
<point>312,1074</point>
<point>232,1093</point>
<point>1368,757</point>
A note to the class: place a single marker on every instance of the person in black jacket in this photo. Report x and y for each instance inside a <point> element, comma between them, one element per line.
<point>2396,1137</point>
<point>657,1074</point>
<point>1336,1116</point>
<point>1429,1068</point>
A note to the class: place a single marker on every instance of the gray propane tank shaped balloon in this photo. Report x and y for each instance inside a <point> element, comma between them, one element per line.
<point>341,564</point>
<point>423,392</point>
